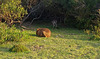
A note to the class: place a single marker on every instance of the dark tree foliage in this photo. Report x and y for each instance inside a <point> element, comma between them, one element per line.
<point>82,14</point>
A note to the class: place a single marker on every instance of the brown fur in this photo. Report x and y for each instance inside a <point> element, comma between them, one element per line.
<point>43,32</point>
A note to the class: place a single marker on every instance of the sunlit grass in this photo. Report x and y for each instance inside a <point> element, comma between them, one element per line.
<point>64,43</point>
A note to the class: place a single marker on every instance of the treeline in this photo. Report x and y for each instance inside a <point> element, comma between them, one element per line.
<point>81,14</point>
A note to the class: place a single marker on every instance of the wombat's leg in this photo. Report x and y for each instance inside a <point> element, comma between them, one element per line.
<point>45,34</point>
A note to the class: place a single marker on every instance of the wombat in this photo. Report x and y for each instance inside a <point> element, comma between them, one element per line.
<point>43,32</point>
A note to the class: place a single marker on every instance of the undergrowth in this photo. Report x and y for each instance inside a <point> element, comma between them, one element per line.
<point>11,34</point>
<point>18,48</point>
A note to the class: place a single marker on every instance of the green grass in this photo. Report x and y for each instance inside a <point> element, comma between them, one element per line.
<point>64,43</point>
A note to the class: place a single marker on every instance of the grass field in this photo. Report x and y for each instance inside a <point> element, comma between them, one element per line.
<point>65,43</point>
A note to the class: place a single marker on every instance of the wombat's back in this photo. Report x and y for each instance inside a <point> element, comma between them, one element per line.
<point>43,32</point>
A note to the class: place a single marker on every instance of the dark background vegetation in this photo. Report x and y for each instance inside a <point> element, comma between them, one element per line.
<point>81,14</point>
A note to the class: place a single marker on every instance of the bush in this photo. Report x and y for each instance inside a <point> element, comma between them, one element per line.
<point>11,34</point>
<point>95,37</point>
<point>11,11</point>
<point>18,48</point>
<point>96,33</point>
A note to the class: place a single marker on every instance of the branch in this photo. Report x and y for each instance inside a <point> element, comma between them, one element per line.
<point>39,4</point>
<point>33,10</point>
<point>16,21</point>
<point>25,18</point>
<point>36,18</point>
<point>26,28</point>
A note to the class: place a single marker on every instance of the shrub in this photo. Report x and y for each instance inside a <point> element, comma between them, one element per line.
<point>18,48</point>
<point>11,33</point>
<point>95,37</point>
<point>12,10</point>
<point>87,31</point>
<point>96,33</point>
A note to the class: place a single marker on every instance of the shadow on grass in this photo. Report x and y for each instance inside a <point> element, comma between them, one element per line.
<point>32,35</point>
<point>4,49</point>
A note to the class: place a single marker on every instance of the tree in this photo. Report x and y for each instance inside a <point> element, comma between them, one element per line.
<point>33,6</point>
